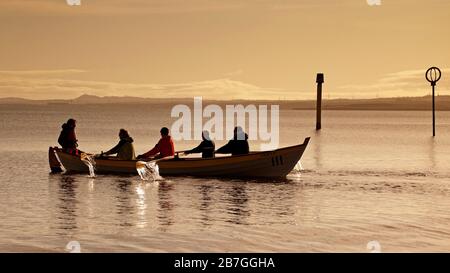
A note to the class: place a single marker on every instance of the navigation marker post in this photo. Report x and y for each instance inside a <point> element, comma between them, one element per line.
<point>433,75</point>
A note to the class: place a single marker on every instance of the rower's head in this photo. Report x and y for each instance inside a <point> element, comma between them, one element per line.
<point>123,134</point>
<point>164,131</point>
<point>205,135</point>
<point>239,133</point>
<point>71,122</point>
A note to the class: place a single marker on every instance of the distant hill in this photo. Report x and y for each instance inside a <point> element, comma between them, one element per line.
<point>89,99</point>
<point>15,101</point>
<point>386,104</point>
<point>400,103</point>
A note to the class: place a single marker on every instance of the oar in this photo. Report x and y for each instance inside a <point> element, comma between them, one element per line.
<point>142,163</point>
<point>89,161</point>
<point>85,155</point>
<point>142,167</point>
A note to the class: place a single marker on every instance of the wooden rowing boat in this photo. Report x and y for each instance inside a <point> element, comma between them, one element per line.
<point>276,163</point>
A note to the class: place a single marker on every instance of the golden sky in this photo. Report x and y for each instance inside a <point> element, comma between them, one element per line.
<point>222,49</point>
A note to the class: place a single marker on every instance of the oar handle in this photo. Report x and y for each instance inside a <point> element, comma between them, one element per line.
<point>177,153</point>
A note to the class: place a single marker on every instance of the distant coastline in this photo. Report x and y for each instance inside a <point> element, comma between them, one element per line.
<point>376,104</point>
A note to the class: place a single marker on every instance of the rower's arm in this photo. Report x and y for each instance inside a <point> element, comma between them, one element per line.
<point>115,149</point>
<point>152,152</point>
<point>198,149</point>
<point>226,149</point>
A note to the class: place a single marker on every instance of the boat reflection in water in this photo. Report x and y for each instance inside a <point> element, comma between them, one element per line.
<point>236,199</point>
<point>67,205</point>
<point>144,214</point>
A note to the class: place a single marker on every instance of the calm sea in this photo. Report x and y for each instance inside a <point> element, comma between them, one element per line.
<point>368,176</point>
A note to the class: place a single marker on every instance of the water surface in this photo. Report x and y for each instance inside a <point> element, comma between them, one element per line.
<point>368,175</point>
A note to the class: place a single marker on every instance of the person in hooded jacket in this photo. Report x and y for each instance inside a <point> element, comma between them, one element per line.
<point>236,146</point>
<point>163,148</point>
<point>67,138</point>
<point>206,147</point>
<point>124,149</point>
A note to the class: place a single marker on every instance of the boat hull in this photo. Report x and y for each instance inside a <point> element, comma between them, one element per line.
<point>276,163</point>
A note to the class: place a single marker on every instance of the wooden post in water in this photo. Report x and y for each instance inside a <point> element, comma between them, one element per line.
<point>319,81</point>
<point>433,75</point>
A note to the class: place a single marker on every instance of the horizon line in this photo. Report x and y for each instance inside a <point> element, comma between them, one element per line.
<point>190,98</point>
